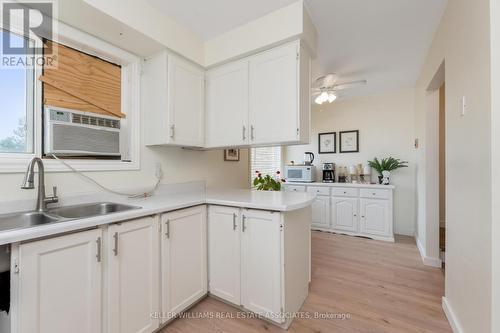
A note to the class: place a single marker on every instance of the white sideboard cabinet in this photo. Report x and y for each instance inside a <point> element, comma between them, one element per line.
<point>352,209</point>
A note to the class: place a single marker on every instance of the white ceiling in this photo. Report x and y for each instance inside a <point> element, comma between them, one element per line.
<point>209,18</point>
<point>382,41</point>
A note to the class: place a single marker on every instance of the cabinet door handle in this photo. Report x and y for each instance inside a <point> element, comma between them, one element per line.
<point>172,131</point>
<point>234,221</point>
<point>252,129</point>
<point>244,133</point>
<point>167,233</point>
<point>243,225</point>
<point>115,249</point>
<point>99,248</point>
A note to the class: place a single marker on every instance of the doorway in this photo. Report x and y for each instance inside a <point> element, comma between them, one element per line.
<point>431,177</point>
<point>442,174</point>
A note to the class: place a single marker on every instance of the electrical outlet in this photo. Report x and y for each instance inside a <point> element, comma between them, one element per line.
<point>159,171</point>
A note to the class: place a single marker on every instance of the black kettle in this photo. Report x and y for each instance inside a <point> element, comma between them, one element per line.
<point>308,158</point>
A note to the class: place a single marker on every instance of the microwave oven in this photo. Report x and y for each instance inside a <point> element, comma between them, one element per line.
<point>300,173</point>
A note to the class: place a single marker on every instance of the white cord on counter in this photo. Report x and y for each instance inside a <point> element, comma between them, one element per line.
<point>131,196</point>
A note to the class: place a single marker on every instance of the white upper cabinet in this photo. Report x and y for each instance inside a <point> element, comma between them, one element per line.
<point>60,284</point>
<point>173,98</point>
<point>227,105</point>
<point>261,100</point>
<point>274,96</point>
<point>186,104</point>
<point>133,254</point>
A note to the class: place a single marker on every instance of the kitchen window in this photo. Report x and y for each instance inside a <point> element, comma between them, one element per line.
<point>23,101</point>
<point>266,160</point>
<point>17,85</point>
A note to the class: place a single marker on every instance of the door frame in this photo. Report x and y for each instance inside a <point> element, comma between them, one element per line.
<point>428,224</point>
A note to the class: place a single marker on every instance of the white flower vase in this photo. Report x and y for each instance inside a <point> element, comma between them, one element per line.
<point>385,177</point>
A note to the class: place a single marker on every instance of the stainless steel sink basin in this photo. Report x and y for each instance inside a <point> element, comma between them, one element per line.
<point>61,214</point>
<point>90,210</point>
<point>25,220</point>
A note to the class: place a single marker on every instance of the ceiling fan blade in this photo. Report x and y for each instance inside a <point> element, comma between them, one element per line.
<point>348,85</point>
<point>325,81</point>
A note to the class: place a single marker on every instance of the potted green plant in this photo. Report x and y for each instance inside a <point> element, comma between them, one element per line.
<point>385,166</point>
<point>267,183</point>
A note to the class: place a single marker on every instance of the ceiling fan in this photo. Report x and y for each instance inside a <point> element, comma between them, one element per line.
<point>325,88</point>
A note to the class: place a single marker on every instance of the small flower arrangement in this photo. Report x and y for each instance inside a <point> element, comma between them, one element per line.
<point>267,183</point>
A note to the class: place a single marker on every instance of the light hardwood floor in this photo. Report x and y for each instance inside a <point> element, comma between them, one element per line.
<point>384,287</point>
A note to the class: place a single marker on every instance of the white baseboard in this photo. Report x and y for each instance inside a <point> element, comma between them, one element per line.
<point>452,318</point>
<point>428,261</point>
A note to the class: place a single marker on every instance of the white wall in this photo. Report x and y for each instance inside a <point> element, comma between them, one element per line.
<point>141,16</point>
<point>386,129</point>
<point>463,42</point>
<point>179,165</point>
<point>287,23</point>
<point>495,128</point>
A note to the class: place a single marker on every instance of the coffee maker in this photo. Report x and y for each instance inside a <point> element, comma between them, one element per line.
<point>328,172</point>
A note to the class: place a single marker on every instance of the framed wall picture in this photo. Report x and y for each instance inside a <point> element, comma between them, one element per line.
<point>327,143</point>
<point>231,155</point>
<point>349,141</point>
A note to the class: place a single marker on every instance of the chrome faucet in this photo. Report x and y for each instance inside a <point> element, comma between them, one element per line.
<point>29,184</point>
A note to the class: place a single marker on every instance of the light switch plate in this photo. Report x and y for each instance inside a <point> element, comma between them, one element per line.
<point>464,106</point>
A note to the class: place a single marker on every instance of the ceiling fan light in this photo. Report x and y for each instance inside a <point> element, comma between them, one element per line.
<point>318,100</point>
<point>322,98</point>
<point>331,97</point>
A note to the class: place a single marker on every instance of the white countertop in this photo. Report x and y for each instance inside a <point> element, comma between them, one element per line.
<point>168,198</point>
<point>277,201</point>
<point>342,185</point>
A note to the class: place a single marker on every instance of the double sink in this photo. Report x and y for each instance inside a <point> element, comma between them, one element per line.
<point>60,214</point>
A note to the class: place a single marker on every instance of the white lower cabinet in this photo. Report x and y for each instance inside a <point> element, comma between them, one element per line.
<point>345,214</point>
<point>261,265</point>
<point>375,215</point>
<point>321,212</point>
<point>245,259</point>
<point>184,259</point>
<point>224,242</point>
<point>59,286</point>
<point>260,260</point>
<point>133,276</point>
<point>116,278</point>
<point>360,210</point>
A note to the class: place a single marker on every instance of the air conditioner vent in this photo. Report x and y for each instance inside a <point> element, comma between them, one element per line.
<point>95,121</point>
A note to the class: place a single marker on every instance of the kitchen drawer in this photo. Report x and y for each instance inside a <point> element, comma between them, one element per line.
<point>374,193</point>
<point>295,188</point>
<point>344,192</point>
<point>318,190</point>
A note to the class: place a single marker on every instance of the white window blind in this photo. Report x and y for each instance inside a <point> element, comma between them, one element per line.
<point>266,160</point>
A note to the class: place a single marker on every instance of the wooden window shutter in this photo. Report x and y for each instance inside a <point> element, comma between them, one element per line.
<point>82,82</point>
